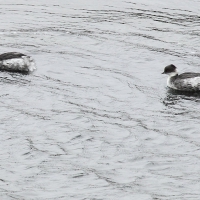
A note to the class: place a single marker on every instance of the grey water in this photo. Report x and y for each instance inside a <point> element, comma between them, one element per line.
<point>96,120</point>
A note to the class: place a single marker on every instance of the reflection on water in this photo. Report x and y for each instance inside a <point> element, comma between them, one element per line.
<point>96,121</point>
<point>174,96</point>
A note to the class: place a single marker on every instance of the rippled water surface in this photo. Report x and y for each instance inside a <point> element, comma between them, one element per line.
<point>96,121</point>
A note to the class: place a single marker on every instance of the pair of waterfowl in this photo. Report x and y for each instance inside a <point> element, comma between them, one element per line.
<point>18,62</point>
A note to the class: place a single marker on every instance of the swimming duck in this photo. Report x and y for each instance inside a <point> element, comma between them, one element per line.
<point>188,81</point>
<point>16,62</point>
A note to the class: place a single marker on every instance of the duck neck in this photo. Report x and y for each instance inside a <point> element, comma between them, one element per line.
<point>171,78</point>
<point>173,74</point>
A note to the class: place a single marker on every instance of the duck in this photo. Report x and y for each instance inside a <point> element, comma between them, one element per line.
<point>188,81</point>
<point>17,62</point>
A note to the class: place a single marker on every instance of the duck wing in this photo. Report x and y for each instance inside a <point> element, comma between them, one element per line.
<point>188,75</point>
<point>188,81</point>
<point>10,55</point>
